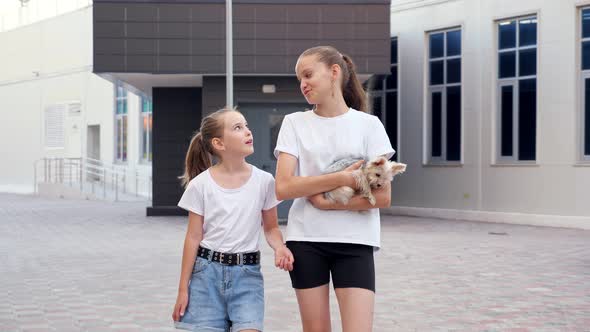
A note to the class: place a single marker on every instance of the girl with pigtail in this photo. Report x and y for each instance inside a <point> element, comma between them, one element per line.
<point>331,239</point>
<point>229,202</point>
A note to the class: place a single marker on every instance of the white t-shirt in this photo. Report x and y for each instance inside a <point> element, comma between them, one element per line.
<point>317,142</point>
<point>232,217</point>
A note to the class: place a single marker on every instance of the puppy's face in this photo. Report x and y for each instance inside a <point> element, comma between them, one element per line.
<point>380,171</point>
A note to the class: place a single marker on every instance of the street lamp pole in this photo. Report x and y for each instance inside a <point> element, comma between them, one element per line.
<point>229,79</point>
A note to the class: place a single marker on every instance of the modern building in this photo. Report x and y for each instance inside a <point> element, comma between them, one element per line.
<point>493,117</point>
<point>56,107</point>
<point>127,63</point>
<point>485,100</point>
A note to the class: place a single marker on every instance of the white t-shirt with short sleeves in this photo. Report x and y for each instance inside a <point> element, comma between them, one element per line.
<point>317,142</point>
<point>232,217</point>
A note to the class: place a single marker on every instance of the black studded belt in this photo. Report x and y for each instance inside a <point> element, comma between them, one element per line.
<point>249,258</point>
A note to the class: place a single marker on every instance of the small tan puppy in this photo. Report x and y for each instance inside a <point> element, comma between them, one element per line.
<point>374,174</point>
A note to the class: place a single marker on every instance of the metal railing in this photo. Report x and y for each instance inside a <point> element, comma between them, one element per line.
<point>102,180</point>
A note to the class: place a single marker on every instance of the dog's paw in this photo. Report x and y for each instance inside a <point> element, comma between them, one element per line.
<point>335,198</point>
<point>372,200</point>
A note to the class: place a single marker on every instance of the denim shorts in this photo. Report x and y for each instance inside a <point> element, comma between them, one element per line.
<point>221,296</point>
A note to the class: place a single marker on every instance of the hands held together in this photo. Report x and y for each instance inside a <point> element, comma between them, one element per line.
<point>284,258</point>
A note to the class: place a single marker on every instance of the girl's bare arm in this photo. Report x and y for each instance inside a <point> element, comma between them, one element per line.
<point>283,256</point>
<point>272,233</point>
<point>289,186</point>
<point>357,202</point>
<point>194,235</point>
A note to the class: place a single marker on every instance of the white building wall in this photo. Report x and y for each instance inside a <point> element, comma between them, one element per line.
<point>13,14</point>
<point>49,63</point>
<point>558,184</point>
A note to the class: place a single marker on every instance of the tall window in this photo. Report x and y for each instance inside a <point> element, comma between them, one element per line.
<point>517,89</point>
<point>444,96</point>
<point>585,76</point>
<point>146,129</point>
<point>121,124</point>
<point>383,97</point>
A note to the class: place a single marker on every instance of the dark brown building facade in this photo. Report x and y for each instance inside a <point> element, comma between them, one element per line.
<point>174,51</point>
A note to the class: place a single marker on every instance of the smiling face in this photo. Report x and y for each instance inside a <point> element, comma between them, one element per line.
<point>315,79</point>
<point>237,139</point>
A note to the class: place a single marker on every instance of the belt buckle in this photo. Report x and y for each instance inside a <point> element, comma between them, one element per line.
<point>239,259</point>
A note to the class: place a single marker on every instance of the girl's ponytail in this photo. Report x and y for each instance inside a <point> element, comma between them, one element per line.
<point>197,160</point>
<point>352,91</point>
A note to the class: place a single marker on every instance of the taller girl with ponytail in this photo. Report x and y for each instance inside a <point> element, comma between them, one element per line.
<point>330,239</point>
<point>352,90</point>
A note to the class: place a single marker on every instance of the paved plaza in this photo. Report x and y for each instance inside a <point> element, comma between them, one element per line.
<point>99,266</point>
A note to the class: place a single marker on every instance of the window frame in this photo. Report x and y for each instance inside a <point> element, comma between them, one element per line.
<point>382,95</point>
<point>121,94</point>
<point>143,134</point>
<point>429,159</point>
<point>584,74</point>
<point>514,82</point>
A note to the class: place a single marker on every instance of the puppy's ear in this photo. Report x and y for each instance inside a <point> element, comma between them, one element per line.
<point>379,161</point>
<point>397,167</point>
